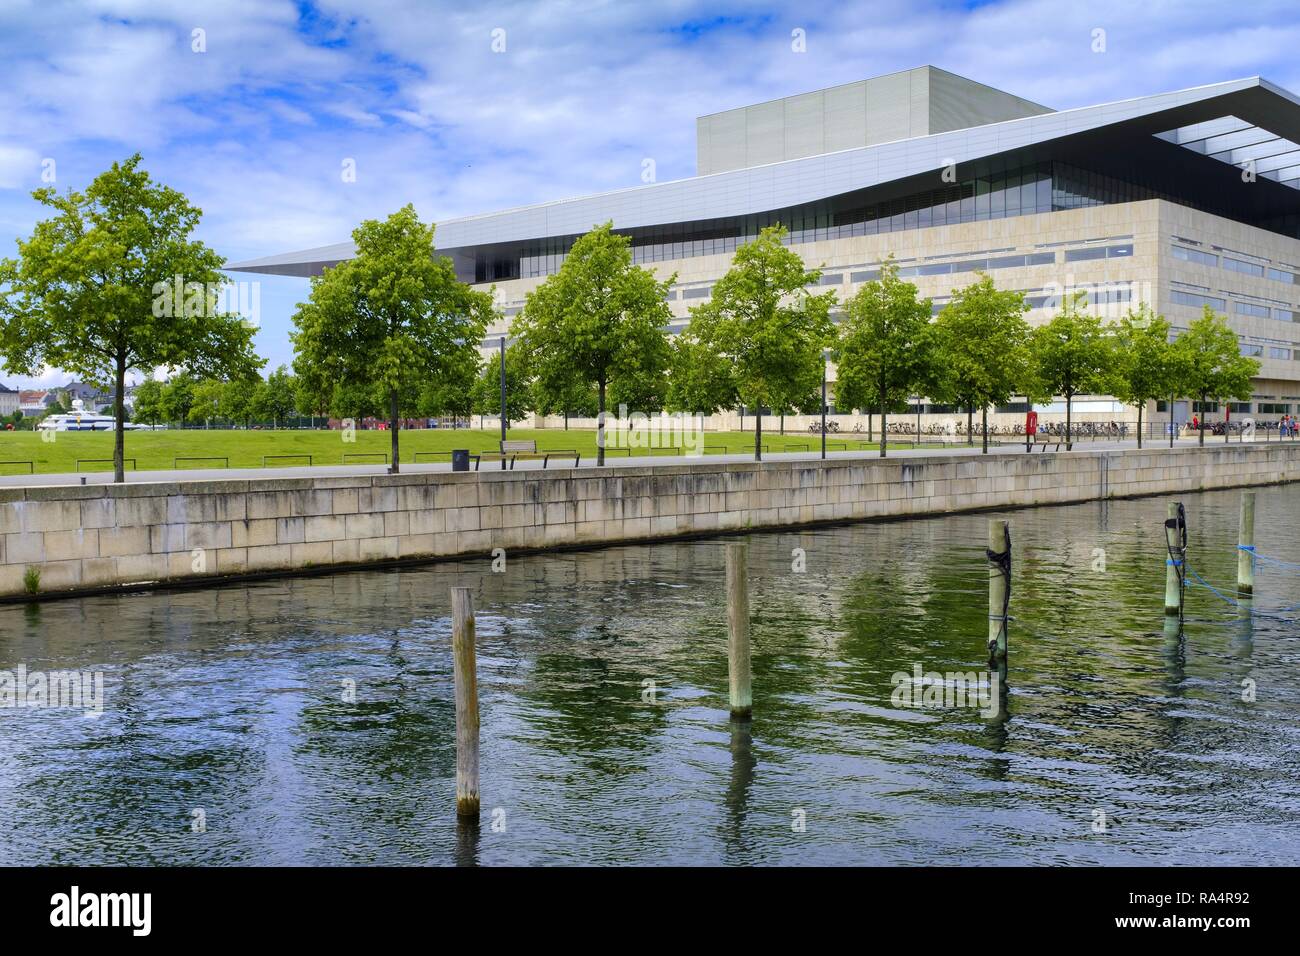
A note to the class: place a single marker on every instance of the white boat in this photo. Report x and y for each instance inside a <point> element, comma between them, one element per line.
<point>80,420</point>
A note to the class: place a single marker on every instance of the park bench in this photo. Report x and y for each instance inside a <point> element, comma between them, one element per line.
<point>512,451</point>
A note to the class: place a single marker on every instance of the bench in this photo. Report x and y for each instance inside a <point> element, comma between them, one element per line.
<point>512,451</point>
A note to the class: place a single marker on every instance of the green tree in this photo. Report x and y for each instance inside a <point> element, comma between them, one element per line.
<point>148,406</point>
<point>178,397</point>
<point>395,316</point>
<point>209,402</point>
<point>486,390</point>
<point>981,354</point>
<point>598,319</point>
<point>1146,366</point>
<point>700,380</point>
<point>885,349</point>
<point>565,396</point>
<point>276,399</point>
<point>763,322</point>
<point>1071,355</point>
<point>450,393</point>
<point>1210,364</point>
<point>93,290</point>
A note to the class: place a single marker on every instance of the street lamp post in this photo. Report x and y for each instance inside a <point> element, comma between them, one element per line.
<point>823,406</point>
<point>503,400</point>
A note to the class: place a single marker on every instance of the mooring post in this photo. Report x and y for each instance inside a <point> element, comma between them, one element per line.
<point>462,650</point>
<point>739,683</point>
<point>1246,546</point>
<point>999,558</point>
<point>1174,558</point>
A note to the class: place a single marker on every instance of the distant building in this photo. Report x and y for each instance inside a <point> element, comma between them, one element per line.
<point>8,400</point>
<point>36,401</point>
<point>91,395</point>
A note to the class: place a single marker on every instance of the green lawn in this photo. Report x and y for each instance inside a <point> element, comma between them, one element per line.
<point>158,450</point>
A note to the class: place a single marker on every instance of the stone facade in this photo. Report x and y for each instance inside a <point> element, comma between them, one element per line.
<point>99,536</point>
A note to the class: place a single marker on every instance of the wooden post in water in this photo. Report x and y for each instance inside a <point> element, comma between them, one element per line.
<point>1246,546</point>
<point>462,650</point>
<point>999,557</point>
<point>1173,564</point>
<point>738,671</point>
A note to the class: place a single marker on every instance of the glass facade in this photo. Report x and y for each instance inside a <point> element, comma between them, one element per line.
<point>1036,188</point>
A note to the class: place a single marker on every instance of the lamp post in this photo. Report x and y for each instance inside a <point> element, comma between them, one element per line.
<point>824,405</point>
<point>503,400</point>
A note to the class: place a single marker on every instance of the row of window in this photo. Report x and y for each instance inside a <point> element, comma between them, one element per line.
<point>1199,300</point>
<point>1242,262</point>
<point>1035,188</point>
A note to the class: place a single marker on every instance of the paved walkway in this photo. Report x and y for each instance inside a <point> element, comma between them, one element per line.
<point>614,460</point>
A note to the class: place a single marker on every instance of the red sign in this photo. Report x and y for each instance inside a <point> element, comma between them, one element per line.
<point>1031,423</point>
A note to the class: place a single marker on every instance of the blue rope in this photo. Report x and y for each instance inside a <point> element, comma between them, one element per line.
<point>1256,556</point>
<point>1272,612</point>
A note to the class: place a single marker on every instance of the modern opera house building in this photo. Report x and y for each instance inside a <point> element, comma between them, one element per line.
<point>1181,199</point>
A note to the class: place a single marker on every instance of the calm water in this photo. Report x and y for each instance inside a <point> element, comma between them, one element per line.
<point>230,700</point>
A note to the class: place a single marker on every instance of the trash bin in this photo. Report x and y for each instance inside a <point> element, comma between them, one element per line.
<point>460,459</point>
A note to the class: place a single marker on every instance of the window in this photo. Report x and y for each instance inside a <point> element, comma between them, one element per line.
<point>1195,255</point>
<point>1245,268</point>
<point>1251,351</point>
<point>695,293</point>
<point>1198,301</point>
<point>1251,309</point>
<point>1282,276</point>
<point>1279,353</point>
<point>1285,315</point>
<point>832,278</point>
<point>871,275</point>
<point>1239,408</point>
<point>1082,255</point>
<point>1274,408</point>
<point>1042,259</point>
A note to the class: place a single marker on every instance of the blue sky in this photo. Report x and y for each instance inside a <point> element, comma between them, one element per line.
<point>256,128</point>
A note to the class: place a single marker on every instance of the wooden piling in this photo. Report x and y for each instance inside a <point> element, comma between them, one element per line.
<point>1173,571</point>
<point>464,665</point>
<point>1246,546</point>
<point>999,558</point>
<point>738,665</point>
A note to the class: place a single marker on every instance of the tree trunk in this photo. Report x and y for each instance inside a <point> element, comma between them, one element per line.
<point>600,426</point>
<point>1200,424</point>
<point>393,425</point>
<point>870,434</point>
<point>119,423</point>
<point>970,424</point>
<point>984,427</point>
<point>783,423</point>
<point>758,432</point>
<point>1140,404</point>
<point>1069,399</point>
<point>566,421</point>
